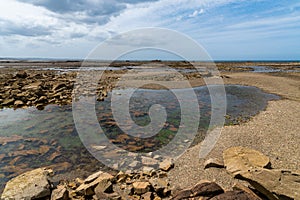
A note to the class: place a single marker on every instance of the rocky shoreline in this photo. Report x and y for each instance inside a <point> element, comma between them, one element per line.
<point>26,84</point>
<point>258,181</point>
<point>24,88</point>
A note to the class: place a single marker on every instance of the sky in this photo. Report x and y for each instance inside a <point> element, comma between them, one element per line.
<point>226,29</point>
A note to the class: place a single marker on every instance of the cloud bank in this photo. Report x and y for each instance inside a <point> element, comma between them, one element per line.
<point>228,29</point>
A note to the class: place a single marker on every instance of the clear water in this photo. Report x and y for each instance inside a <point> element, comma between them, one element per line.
<point>34,138</point>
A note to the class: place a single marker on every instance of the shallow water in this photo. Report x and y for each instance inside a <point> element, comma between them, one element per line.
<point>34,138</point>
<point>265,69</point>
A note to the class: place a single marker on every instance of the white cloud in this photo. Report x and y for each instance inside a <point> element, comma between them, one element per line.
<point>197,12</point>
<point>56,25</point>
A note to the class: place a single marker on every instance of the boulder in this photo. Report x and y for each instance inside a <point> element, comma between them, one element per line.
<point>239,159</point>
<point>30,185</point>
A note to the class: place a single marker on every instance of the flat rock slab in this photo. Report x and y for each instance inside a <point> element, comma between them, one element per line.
<point>30,185</point>
<point>275,184</point>
<point>234,195</point>
<point>239,159</point>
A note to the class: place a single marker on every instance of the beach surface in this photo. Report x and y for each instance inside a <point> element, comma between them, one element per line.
<point>274,131</point>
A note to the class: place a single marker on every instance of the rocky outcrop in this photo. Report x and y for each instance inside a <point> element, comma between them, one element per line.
<point>275,184</point>
<point>249,165</point>
<point>30,185</point>
<point>23,88</point>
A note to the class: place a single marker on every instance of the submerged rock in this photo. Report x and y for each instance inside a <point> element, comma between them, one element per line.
<point>30,185</point>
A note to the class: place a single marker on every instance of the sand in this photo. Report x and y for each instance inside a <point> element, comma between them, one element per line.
<point>274,131</point>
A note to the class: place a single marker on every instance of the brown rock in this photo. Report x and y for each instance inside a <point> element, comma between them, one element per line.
<point>104,196</point>
<point>241,187</point>
<point>13,138</point>
<point>21,74</point>
<point>160,186</point>
<point>30,185</point>
<point>8,102</point>
<point>92,177</point>
<point>141,187</point>
<point>233,195</point>
<point>183,194</point>
<point>87,188</point>
<point>33,86</point>
<point>54,155</point>
<point>18,103</point>
<point>239,159</point>
<point>58,85</point>
<point>166,165</point>
<point>44,149</point>
<point>275,184</point>
<point>104,186</point>
<point>207,189</point>
<point>60,193</point>
<point>148,196</point>
<point>149,171</point>
<point>213,163</point>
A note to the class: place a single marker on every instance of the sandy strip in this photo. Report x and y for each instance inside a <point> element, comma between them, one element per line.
<point>275,132</point>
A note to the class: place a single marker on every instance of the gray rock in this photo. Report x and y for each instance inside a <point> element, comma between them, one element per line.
<point>149,161</point>
<point>30,185</point>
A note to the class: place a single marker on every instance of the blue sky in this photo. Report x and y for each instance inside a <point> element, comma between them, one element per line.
<point>227,29</point>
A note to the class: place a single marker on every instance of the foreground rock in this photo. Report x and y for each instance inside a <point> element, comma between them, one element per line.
<point>239,159</point>
<point>249,165</point>
<point>275,184</point>
<point>30,185</point>
<point>102,185</point>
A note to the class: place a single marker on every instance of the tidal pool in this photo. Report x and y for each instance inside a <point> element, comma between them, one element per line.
<point>31,138</point>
